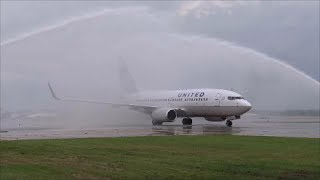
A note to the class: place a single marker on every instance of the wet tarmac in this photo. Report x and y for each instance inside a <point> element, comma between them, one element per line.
<point>251,125</point>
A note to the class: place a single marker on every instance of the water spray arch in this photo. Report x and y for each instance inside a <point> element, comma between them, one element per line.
<point>188,62</point>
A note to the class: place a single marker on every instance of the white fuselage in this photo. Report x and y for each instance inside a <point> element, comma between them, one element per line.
<point>195,102</point>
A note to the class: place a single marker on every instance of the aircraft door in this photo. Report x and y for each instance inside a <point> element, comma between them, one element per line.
<point>218,99</point>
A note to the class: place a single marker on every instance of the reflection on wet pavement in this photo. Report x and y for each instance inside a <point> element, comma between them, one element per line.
<point>274,126</point>
<point>194,130</point>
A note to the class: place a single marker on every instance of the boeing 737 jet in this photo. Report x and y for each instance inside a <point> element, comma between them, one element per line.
<point>167,106</point>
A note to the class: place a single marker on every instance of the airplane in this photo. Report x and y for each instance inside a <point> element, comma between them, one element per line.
<point>168,105</point>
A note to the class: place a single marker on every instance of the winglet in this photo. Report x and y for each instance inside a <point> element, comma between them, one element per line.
<point>52,92</point>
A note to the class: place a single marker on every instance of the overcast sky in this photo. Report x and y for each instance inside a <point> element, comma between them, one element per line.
<point>215,44</point>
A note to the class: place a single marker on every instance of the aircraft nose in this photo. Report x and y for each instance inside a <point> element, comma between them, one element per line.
<point>247,105</point>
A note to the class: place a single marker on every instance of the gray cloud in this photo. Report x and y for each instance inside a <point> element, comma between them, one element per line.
<point>288,30</point>
<point>80,60</point>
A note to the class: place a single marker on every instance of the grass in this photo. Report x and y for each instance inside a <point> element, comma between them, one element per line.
<point>172,157</point>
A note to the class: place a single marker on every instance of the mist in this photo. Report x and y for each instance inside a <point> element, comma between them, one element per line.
<point>79,54</point>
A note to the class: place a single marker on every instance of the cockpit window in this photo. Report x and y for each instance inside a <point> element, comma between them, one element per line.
<point>234,97</point>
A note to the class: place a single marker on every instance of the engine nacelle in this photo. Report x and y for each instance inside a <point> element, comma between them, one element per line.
<point>215,119</point>
<point>164,115</point>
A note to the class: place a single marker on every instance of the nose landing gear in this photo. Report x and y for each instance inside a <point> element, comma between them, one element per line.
<point>187,121</point>
<point>229,123</point>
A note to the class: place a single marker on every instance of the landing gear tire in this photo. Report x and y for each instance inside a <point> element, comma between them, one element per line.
<point>156,123</point>
<point>187,121</point>
<point>229,123</point>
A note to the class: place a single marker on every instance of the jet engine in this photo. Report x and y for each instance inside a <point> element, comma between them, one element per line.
<point>164,115</point>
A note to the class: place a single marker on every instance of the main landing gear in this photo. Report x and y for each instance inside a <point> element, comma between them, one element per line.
<point>229,123</point>
<point>187,121</point>
<point>156,123</point>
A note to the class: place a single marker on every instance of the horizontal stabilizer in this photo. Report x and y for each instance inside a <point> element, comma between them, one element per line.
<point>145,109</point>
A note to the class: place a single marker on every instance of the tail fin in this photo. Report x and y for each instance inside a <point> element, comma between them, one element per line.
<point>126,80</point>
<point>52,92</point>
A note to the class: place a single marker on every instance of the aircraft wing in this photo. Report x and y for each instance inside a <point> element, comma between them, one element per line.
<point>140,108</point>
